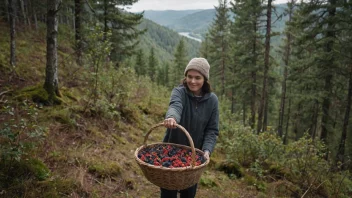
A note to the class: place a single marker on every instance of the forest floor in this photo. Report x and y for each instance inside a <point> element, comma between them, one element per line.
<point>87,155</point>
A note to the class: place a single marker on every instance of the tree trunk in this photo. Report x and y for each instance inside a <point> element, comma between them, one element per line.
<point>7,12</point>
<point>244,112</point>
<point>315,120</point>
<point>35,18</point>
<point>341,151</point>
<point>286,63</point>
<point>11,7</point>
<point>23,12</point>
<point>74,18</point>
<point>106,29</point>
<point>51,73</point>
<point>296,119</point>
<point>232,98</point>
<point>267,64</point>
<point>287,121</point>
<point>254,79</point>
<point>253,98</point>
<point>78,36</point>
<point>262,125</point>
<point>328,77</point>
<point>28,14</point>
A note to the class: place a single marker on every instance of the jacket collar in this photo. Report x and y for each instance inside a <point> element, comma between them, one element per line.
<point>191,95</point>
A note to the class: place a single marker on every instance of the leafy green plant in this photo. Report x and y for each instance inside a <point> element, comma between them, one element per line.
<point>19,135</point>
<point>301,163</point>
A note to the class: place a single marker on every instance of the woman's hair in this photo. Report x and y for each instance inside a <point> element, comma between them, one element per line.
<point>206,88</point>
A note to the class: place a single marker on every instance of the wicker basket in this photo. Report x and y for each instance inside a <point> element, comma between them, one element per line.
<point>172,178</point>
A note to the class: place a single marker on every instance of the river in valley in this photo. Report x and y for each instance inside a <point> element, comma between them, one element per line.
<point>187,34</point>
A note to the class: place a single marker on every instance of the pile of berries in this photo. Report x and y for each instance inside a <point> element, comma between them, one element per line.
<point>169,156</point>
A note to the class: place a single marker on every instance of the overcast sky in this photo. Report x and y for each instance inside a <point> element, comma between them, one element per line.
<point>178,4</point>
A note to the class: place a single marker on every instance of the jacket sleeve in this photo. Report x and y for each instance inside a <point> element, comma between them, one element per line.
<point>175,105</point>
<point>175,109</point>
<point>212,129</point>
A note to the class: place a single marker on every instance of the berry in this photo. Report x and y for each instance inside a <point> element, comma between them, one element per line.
<point>169,156</point>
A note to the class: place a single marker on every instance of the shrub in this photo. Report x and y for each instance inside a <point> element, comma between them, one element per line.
<point>20,134</point>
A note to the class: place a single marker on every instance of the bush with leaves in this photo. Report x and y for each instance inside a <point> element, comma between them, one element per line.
<point>301,164</point>
<point>20,134</point>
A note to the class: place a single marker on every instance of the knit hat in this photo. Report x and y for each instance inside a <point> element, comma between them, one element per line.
<point>199,64</point>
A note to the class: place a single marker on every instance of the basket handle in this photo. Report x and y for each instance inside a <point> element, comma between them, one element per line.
<point>184,131</point>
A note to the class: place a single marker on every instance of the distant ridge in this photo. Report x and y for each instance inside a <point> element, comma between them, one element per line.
<point>197,22</point>
<point>166,17</point>
<point>164,41</point>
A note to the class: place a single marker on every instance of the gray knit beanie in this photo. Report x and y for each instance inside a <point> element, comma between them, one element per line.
<point>199,64</point>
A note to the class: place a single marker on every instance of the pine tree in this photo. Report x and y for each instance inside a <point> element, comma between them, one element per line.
<point>345,44</point>
<point>122,24</point>
<point>219,49</point>
<point>180,61</point>
<point>264,102</point>
<point>140,65</point>
<point>247,52</point>
<point>204,48</point>
<point>153,65</point>
<point>314,46</point>
<point>163,74</point>
<point>286,59</point>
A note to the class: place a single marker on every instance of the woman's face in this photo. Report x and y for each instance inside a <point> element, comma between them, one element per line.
<point>195,81</point>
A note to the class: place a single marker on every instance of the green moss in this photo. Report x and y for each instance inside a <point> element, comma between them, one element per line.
<point>70,96</point>
<point>14,173</point>
<point>64,116</point>
<point>207,181</point>
<point>39,169</point>
<point>104,169</point>
<point>36,93</point>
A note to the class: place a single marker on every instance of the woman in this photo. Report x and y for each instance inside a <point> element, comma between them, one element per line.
<point>195,107</point>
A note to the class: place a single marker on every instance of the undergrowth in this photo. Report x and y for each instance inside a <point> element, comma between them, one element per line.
<point>85,146</point>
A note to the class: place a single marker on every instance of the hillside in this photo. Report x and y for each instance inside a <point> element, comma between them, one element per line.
<point>78,149</point>
<point>165,17</point>
<point>164,41</point>
<point>84,146</point>
<point>198,21</point>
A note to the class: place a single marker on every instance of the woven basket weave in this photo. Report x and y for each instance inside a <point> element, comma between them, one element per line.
<point>172,178</point>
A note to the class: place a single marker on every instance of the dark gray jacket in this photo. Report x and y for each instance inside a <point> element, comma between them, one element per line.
<point>198,115</point>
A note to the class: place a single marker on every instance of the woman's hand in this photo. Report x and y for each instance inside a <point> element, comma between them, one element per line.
<point>207,154</point>
<point>170,123</point>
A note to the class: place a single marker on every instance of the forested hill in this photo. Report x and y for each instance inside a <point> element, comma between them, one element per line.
<point>198,21</point>
<point>164,41</point>
<point>166,17</point>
